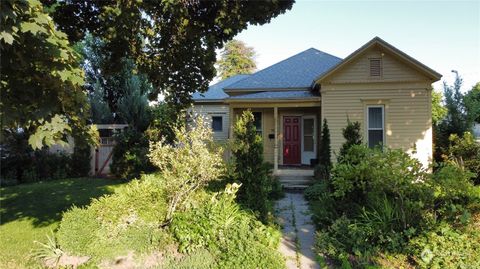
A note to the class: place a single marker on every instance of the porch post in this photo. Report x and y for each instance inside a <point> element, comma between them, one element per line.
<point>275,149</point>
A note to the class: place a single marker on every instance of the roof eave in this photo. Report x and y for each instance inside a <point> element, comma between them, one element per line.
<point>208,100</point>
<point>226,90</point>
<point>271,100</point>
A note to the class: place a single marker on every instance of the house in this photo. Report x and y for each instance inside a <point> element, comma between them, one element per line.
<point>378,85</point>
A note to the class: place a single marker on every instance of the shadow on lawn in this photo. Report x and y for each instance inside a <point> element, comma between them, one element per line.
<point>44,202</point>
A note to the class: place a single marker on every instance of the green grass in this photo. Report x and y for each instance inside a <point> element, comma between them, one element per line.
<point>29,212</point>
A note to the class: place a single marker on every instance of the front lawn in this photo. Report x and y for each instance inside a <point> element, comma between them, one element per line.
<point>28,212</point>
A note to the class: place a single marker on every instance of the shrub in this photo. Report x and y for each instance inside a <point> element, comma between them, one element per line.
<point>128,220</point>
<point>80,158</point>
<point>234,236</point>
<point>383,199</point>
<point>352,135</point>
<point>446,247</point>
<point>364,176</point>
<point>466,152</point>
<point>129,157</point>
<point>322,204</point>
<point>190,163</point>
<point>250,169</point>
<point>453,191</point>
<point>21,164</point>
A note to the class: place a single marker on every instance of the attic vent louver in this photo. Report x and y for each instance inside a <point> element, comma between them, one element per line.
<point>375,67</point>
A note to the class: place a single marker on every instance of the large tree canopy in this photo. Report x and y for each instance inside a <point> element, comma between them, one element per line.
<point>236,58</point>
<point>41,79</point>
<point>173,42</point>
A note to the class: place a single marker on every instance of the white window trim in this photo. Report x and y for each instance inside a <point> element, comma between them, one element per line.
<point>314,135</point>
<point>376,129</point>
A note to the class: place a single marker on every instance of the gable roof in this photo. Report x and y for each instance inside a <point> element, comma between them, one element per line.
<point>427,71</point>
<point>295,72</point>
<point>215,92</point>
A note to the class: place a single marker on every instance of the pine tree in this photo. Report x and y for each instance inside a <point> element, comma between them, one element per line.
<point>325,149</point>
<point>250,168</point>
<point>236,58</point>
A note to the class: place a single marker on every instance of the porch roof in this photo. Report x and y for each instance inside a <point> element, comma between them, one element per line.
<point>277,95</point>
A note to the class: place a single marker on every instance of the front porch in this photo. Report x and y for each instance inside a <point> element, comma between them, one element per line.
<point>290,131</point>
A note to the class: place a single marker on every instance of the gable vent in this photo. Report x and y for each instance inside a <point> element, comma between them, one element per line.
<point>375,67</point>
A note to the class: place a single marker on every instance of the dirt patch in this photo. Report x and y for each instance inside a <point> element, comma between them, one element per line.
<point>66,261</point>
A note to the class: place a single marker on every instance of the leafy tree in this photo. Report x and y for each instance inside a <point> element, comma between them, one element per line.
<point>455,121</point>
<point>122,93</point>
<point>165,119</point>
<point>472,104</point>
<point>40,75</point>
<point>236,58</point>
<point>352,135</point>
<point>438,110</point>
<point>173,42</point>
<point>250,168</point>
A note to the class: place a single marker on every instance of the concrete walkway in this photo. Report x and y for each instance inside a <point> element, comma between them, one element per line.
<point>298,232</point>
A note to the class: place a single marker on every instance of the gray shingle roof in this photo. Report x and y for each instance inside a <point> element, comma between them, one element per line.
<point>298,71</point>
<point>215,92</point>
<point>276,95</point>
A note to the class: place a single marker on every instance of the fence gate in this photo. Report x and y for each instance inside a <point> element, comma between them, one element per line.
<point>102,154</point>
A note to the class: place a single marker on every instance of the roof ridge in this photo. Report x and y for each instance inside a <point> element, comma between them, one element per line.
<point>270,66</point>
<point>325,53</point>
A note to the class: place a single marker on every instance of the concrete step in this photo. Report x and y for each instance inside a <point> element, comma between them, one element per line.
<point>295,187</point>
<point>295,182</point>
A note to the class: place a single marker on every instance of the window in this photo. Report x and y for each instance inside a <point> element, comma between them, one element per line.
<point>308,132</point>
<point>375,124</point>
<point>375,67</point>
<point>258,122</point>
<point>217,123</point>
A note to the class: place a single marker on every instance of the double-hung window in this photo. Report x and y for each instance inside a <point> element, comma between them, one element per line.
<point>375,125</point>
<point>217,123</point>
<point>257,116</point>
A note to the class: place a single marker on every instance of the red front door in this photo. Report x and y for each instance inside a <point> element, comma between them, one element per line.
<point>291,140</point>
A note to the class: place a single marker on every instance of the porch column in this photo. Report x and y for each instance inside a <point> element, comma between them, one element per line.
<point>275,148</point>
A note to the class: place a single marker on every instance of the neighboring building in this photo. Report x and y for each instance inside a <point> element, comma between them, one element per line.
<point>384,89</point>
<point>476,131</point>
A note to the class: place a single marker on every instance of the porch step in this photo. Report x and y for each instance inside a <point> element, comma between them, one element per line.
<point>295,182</point>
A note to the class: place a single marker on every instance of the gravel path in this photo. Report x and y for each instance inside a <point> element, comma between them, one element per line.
<point>298,232</point>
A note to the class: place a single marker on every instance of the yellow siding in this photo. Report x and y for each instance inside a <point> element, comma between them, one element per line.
<point>407,115</point>
<point>268,127</point>
<point>209,110</point>
<point>358,70</point>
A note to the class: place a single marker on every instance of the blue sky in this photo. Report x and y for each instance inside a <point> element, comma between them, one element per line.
<point>444,35</point>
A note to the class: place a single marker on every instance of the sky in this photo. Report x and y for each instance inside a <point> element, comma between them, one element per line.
<point>444,35</point>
